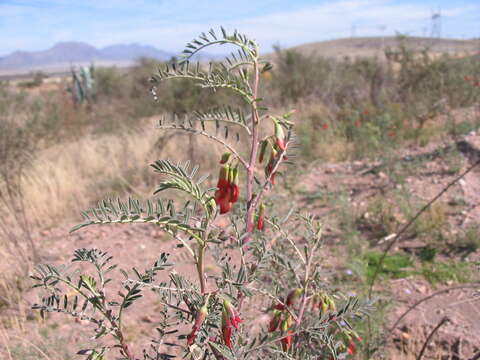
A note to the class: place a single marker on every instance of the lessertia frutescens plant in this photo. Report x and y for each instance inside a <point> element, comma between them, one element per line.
<point>268,263</point>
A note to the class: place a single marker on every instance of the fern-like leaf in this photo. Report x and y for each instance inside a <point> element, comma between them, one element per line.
<point>248,48</point>
<point>131,211</point>
<point>225,114</point>
<point>216,77</point>
<point>182,177</point>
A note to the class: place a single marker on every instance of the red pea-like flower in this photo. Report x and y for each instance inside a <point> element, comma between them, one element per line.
<point>226,329</point>
<point>351,347</point>
<point>261,217</point>
<point>199,319</point>
<point>279,136</point>
<point>230,320</point>
<point>232,314</point>
<point>287,341</point>
<point>274,321</point>
<point>228,190</point>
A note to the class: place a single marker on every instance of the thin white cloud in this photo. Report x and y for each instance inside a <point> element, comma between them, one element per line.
<point>315,23</point>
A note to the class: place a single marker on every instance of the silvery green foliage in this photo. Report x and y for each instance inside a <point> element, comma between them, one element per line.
<point>258,270</point>
<point>83,88</point>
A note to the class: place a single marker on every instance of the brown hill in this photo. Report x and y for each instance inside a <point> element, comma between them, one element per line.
<point>374,46</point>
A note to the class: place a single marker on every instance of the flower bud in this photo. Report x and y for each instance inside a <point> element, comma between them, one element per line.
<point>279,136</point>
<point>286,323</point>
<point>275,321</point>
<point>263,150</point>
<point>261,216</point>
<point>234,185</point>
<point>293,296</point>
<point>225,157</point>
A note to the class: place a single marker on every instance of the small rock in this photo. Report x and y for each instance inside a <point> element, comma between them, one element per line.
<point>146,319</point>
<point>422,289</point>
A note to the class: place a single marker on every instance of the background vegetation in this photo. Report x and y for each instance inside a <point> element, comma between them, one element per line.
<point>54,154</point>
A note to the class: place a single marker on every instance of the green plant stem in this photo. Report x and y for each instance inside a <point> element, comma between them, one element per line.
<point>201,267</point>
<point>253,155</point>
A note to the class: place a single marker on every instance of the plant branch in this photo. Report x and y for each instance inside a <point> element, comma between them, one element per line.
<point>427,341</point>
<point>212,137</point>
<point>412,221</point>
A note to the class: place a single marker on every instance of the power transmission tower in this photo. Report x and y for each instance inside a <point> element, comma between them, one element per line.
<point>436,24</point>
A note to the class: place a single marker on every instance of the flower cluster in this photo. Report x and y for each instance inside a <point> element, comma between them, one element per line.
<point>470,79</point>
<point>324,304</point>
<point>228,190</point>
<point>282,318</point>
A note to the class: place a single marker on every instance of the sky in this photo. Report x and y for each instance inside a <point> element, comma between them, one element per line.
<point>38,24</point>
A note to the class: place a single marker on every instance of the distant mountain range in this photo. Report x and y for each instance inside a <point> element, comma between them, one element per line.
<point>65,53</point>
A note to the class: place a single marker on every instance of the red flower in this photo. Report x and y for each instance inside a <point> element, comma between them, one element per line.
<point>293,296</point>
<point>287,341</point>
<point>351,347</point>
<point>199,319</point>
<point>279,136</point>
<point>324,126</point>
<point>230,320</point>
<point>228,191</point>
<point>268,171</point>
<point>261,216</point>
<point>274,321</point>
<point>226,329</point>
<point>232,314</point>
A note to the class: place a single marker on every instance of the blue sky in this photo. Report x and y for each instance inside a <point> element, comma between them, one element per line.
<point>168,25</point>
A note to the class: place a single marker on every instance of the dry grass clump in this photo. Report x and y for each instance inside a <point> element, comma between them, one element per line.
<point>74,175</point>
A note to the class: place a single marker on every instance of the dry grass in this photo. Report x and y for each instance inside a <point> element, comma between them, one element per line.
<point>69,177</point>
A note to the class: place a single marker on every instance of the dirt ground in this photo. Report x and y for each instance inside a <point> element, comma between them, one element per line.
<point>457,338</point>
